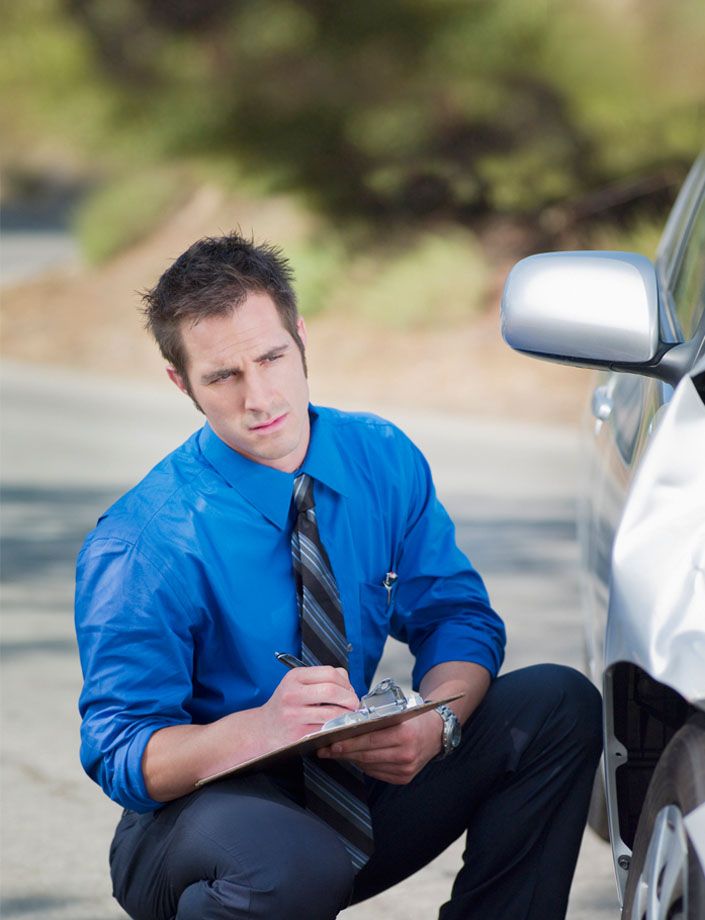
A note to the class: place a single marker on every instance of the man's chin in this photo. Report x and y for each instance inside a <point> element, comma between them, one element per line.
<point>282,455</point>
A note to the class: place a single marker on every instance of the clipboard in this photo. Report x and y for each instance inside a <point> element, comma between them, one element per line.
<point>324,736</point>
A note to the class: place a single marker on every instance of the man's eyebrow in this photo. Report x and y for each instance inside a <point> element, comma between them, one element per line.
<point>218,372</point>
<point>213,375</point>
<point>278,349</point>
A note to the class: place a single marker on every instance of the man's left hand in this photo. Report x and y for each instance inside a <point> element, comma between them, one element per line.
<point>396,754</point>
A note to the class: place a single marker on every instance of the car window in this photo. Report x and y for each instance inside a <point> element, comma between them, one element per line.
<point>688,284</point>
<point>627,402</point>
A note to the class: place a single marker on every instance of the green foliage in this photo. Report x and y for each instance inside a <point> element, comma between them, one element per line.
<point>641,235</point>
<point>52,94</point>
<point>318,263</point>
<point>439,276</point>
<point>125,211</point>
<point>394,114</point>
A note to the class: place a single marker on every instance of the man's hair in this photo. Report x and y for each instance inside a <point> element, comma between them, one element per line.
<point>212,278</point>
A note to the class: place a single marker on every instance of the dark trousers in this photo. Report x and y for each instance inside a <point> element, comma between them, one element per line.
<point>519,784</point>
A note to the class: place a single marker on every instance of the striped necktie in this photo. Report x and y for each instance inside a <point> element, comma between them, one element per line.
<point>335,789</point>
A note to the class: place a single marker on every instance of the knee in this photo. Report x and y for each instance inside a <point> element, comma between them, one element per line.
<point>309,874</point>
<point>244,849</point>
<point>574,703</point>
<point>313,882</point>
<point>298,879</point>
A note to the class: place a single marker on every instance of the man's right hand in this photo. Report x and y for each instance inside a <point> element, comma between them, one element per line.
<point>178,755</point>
<point>304,700</point>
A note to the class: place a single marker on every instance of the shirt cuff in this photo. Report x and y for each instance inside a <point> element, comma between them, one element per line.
<point>120,775</point>
<point>454,642</point>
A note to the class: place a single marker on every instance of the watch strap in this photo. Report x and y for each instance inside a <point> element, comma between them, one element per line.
<point>451,730</point>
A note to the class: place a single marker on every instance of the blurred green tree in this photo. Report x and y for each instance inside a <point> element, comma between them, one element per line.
<point>406,110</point>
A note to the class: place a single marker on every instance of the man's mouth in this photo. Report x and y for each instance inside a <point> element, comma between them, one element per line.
<point>271,424</point>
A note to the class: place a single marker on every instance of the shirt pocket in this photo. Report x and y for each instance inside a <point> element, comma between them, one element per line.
<point>376,605</point>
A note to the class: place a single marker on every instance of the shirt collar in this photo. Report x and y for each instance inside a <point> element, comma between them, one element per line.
<point>270,490</point>
<point>324,461</point>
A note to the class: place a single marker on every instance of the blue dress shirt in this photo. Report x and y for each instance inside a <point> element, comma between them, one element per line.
<point>185,588</point>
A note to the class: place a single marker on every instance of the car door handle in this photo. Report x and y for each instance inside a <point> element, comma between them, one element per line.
<point>602,403</point>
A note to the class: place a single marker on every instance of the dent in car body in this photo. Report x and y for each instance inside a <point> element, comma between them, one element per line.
<point>656,618</point>
<point>657,601</point>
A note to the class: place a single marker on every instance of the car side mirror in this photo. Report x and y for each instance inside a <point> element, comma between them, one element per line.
<point>598,309</point>
<point>591,309</point>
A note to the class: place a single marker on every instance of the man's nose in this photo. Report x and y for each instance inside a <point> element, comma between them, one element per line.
<point>257,392</point>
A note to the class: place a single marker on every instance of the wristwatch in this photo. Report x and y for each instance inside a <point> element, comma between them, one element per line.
<point>451,730</point>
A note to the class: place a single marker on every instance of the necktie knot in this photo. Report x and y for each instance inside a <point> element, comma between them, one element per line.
<point>303,493</point>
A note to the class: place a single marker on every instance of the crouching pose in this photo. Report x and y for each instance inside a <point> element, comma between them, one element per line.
<point>285,526</point>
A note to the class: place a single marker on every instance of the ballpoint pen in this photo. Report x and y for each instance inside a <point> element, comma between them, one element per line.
<point>291,661</point>
<point>388,583</point>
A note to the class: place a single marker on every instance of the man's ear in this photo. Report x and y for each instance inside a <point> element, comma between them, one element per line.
<point>301,329</point>
<point>176,378</point>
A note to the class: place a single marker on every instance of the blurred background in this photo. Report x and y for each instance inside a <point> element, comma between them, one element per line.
<point>403,153</point>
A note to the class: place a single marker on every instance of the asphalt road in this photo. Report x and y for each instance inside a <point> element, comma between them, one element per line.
<point>36,236</point>
<point>70,445</point>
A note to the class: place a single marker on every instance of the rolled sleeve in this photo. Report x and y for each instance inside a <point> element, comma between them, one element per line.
<point>136,652</point>
<point>441,609</point>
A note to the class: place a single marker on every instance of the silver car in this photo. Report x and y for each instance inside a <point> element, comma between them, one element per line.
<point>642,535</point>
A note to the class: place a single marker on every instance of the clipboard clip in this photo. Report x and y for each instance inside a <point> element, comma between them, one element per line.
<point>385,696</point>
<point>384,699</point>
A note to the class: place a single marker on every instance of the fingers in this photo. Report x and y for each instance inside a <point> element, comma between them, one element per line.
<point>398,736</point>
<point>321,684</point>
<point>315,716</point>
<point>320,673</point>
<point>312,696</point>
<point>320,695</point>
<point>394,769</point>
<point>393,755</point>
<point>304,700</point>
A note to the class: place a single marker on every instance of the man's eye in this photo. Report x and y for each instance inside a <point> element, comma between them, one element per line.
<point>273,358</point>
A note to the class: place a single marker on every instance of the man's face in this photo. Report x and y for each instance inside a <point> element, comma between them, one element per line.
<point>246,373</point>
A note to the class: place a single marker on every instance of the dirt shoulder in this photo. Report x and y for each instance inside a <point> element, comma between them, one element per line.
<point>88,319</point>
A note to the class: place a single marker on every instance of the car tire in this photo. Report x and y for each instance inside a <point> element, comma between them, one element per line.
<point>666,880</point>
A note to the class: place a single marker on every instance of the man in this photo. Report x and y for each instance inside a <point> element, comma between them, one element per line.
<point>281,526</point>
